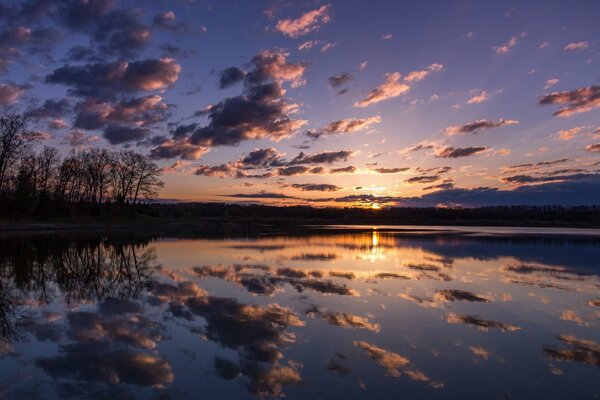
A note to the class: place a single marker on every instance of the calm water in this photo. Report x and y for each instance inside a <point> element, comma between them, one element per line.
<point>336,314</point>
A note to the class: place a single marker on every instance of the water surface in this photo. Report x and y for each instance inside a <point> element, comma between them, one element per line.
<point>340,313</point>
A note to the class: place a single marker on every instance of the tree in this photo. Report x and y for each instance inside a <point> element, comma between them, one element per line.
<point>147,183</point>
<point>13,141</point>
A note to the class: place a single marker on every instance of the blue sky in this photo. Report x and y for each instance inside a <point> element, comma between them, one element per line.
<point>354,86</point>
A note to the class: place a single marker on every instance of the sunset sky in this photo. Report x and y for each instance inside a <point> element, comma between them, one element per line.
<point>337,103</point>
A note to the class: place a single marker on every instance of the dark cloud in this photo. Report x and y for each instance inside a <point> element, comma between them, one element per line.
<point>481,324</point>
<point>338,80</point>
<point>527,179</point>
<point>579,350</point>
<point>583,191</point>
<point>231,76</point>
<point>82,15</point>
<point>476,126</point>
<point>119,134</point>
<point>441,186</point>
<point>593,148</point>
<point>326,157</point>
<point>575,101</point>
<point>139,112</point>
<point>120,33</point>
<point>316,187</point>
<point>50,109</point>
<point>343,170</point>
<point>93,363</point>
<point>261,195</point>
<point>391,170</point>
<point>452,152</point>
<point>336,367</point>
<point>261,111</point>
<point>108,79</point>
<point>16,38</point>
<point>460,295</point>
<point>423,179</point>
<point>262,158</point>
<point>295,170</point>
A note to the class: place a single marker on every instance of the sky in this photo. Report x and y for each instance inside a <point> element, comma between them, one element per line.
<point>323,103</point>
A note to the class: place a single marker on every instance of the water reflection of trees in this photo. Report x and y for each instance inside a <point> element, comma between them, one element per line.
<point>40,269</point>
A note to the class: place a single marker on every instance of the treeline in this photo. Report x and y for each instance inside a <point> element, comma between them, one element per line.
<point>585,216</point>
<point>43,185</point>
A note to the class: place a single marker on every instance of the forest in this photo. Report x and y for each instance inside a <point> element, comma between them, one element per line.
<point>43,185</point>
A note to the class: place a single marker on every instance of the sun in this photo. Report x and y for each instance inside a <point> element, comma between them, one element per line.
<point>375,206</point>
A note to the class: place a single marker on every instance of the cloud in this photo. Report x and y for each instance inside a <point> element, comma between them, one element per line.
<point>425,145</point>
<point>315,187</point>
<point>270,158</point>
<point>260,112</point>
<point>106,79</point>
<point>423,179</point>
<point>343,126</point>
<point>568,134</point>
<point>262,158</point>
<point>550,82</point>
<point>481,324</point>
<point>482,97</point>
<point>77,138</point>
<point>452,152</point>
<point>394,86</point>
<point>10,93</point>
<point>576,46</point>
<point>593,148</point>
<point>384,170</point>
<point>119,134</point>
<point>140,112</point>
<point>273,65</point>
<point>338,80</point>
<point>325,157</point>
<point>57,124</point>
<point>230,76</point>
<point>50,109</point>
<point>39,135</point>
<point>299,170</point>
<point>505,48</point>
<point>120,33</point>
<point>172,148</point>
<point>391,88</point>
<point>306,23</point>
<point>15,38</point>
<point>81,15</point>
<point>167,20</point>
<point>476,126</point>
<point>343,170</point>
<point>577,101</point>
<point>261,195</point>
<point>582,190</point>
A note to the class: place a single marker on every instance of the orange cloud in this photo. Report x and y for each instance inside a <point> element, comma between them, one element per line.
<point>306,23</point>
<point>576,46</point>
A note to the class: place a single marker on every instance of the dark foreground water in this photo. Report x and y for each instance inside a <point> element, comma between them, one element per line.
<point>334,314</point>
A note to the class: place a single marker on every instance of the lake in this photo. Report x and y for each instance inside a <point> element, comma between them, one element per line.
<point>323,313</point>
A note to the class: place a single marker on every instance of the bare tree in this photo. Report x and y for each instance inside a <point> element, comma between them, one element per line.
<point>13,141</point>
<point>147,183</point>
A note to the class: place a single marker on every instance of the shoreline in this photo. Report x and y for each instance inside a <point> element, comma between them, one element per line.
<point>211,223</point>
